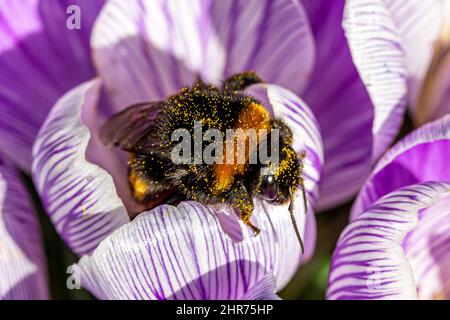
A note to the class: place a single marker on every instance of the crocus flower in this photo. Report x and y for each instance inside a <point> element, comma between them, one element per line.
<point>147,50</point>
<point>397,244</point>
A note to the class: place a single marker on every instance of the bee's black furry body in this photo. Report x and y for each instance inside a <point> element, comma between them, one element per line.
<point>217,109</point>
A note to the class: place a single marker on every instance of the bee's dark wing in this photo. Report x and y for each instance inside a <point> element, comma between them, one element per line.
<point>127,129</point>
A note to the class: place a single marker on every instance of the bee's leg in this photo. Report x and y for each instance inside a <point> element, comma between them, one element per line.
<point>241,81</point>
<point>242,200</point>
<point>245,217</point>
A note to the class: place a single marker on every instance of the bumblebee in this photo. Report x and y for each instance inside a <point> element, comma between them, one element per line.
<point>146,130</point>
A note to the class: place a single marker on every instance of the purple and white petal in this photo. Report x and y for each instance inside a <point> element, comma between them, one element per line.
<point>79,196</point>
<point>376,257</point>
<point>419,24</point>
<point>147,50</point>
<point>434,99</point>
<point>378,54</point>
<point>184,252</point>
<point>339,99</point>
<point>40,59</point>
<point>427,249</point>
<point>420,157</point>
<point>23,274</point>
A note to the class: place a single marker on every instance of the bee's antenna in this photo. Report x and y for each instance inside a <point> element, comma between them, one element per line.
<point>294,223</point>
<point>305,201</point>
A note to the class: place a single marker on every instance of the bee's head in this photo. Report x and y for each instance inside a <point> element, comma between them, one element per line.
<point>278,181</point>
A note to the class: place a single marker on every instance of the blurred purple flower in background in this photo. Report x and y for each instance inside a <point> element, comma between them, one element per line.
<point>40,60</point>
<point>337,72</point>
<point>167,252</point>
<point>424,28</point>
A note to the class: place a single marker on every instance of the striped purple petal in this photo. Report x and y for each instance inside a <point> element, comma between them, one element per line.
<point>420,157</point>
<point>378,54</point>
<point>40,59</point>
<point>440,93</point>
<point>147,50</point>
<point>23,274</point>
<point>183,253</point>
<point>334,93</point>
<point>419,24</point>
<point>397,248</point>
<point>79,196</point>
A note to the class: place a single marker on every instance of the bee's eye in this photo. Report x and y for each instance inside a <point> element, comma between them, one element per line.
<point>269,188</point>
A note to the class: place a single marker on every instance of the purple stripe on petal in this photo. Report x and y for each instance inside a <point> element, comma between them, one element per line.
<point>40,59</point>
<point>370,260</point>
<point>23,274</point>
<point>79,196</point>
<point>419,23</point>
<point>419,157</point>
